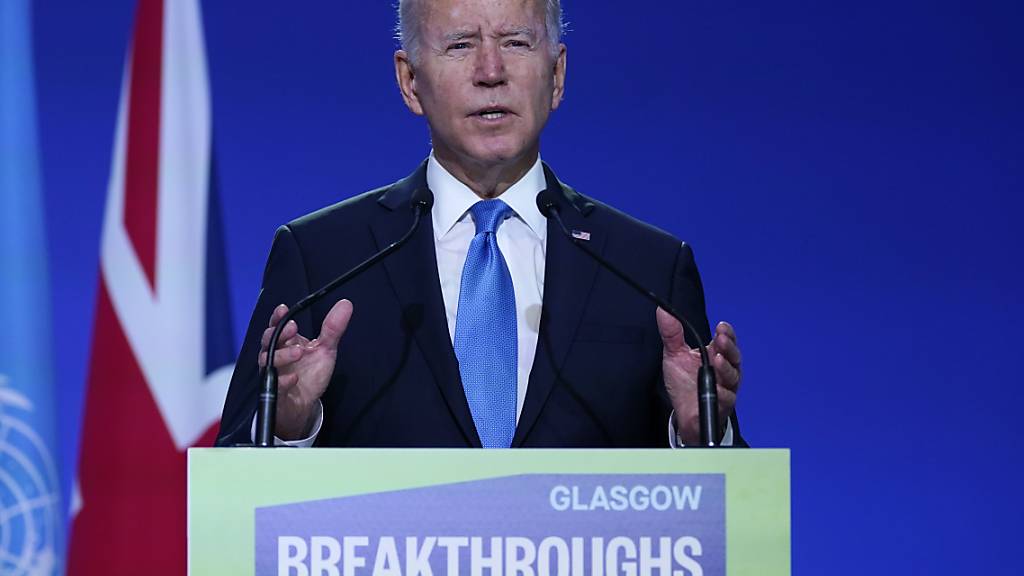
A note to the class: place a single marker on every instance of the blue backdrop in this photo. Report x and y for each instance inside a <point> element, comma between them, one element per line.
<point>849,175</point>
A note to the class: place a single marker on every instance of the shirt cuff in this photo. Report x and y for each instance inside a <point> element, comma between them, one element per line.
<point>674,441</point>
<point>318,420</point>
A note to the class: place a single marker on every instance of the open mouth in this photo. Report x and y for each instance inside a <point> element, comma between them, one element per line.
<point>492,113</point>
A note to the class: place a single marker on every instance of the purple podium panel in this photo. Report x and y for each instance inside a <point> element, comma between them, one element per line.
<point>571,524</point>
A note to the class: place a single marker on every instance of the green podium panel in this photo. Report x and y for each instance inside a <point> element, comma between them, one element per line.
<point>512,512</point>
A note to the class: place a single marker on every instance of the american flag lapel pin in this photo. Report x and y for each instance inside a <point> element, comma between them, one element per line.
<point>581,235</point>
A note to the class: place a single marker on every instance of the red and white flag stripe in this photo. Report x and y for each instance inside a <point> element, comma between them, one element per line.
<point>151,393</point>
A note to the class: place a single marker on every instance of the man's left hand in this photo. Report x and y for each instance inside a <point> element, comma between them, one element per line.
<point>679,366</point>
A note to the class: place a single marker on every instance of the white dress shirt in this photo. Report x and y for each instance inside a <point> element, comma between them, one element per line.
<point>522,239</point>
<point>523,242</point>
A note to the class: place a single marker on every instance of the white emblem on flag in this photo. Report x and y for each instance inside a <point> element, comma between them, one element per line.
<point>29,495</point>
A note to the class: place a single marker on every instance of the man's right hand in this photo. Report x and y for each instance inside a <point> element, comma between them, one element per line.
<point>304,367</point>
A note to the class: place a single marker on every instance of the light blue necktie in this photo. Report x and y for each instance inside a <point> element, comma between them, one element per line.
<point>485,330</point>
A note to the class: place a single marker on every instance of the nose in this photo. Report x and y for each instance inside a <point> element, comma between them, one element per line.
<point>490,66</point>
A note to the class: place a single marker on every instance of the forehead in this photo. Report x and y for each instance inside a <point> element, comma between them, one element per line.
<point>447,15</point>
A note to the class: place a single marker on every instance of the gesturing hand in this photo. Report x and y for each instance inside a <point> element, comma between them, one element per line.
<point>304,367</point>
<point>679,366</point>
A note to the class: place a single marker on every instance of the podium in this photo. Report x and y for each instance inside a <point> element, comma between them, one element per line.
<point>311,512</point>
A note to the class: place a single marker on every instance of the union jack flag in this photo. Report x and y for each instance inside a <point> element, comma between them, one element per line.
<point>162,350</point>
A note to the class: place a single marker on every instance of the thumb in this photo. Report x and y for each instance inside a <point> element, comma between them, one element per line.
<point>671,331</point>
<point>335,324</point>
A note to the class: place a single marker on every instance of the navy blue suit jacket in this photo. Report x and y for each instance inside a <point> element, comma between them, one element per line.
<point>596,379</point>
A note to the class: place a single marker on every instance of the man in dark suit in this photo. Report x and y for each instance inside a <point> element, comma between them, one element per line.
<point>488,328</point>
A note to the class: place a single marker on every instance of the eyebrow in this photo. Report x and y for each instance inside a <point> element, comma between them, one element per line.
<point>517,31</point>
<point>505,33</point>
<point>460,35</point>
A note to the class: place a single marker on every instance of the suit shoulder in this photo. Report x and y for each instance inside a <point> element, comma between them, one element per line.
<point>624,225</point>
<point>351,210</point>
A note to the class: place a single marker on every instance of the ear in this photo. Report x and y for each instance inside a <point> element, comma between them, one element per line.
<point>559,72</point>
<point>406,77</point>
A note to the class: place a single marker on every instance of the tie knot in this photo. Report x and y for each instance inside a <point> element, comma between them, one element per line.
<point>488,214</point>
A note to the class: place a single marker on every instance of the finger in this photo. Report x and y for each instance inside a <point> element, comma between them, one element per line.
<point>287,333</point>
<point>671,331</point>
<point>278,313</point>
<point>726,346</point>
<point>335,324</point>
<point>727,329</point>
<point>291,337</point>
<point>728,376</point>
<point>283,356</point>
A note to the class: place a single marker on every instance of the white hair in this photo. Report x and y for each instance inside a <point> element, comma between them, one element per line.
<point>408,29</point>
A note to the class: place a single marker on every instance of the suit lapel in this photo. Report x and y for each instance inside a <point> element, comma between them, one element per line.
<point>412,271</point>
<point>568,278</point>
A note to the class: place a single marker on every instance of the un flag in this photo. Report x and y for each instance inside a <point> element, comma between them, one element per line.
<point>31,516</point>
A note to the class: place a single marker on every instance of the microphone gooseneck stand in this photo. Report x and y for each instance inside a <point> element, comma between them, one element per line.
<point>707,392</point>
<point>266,411</point>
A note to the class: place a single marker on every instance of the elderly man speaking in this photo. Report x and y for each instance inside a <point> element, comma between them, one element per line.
<point>488,328</point>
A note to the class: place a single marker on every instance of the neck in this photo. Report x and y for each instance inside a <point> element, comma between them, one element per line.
<point>487,180</point>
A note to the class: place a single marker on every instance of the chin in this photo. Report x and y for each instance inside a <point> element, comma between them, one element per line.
<point>498,152</point>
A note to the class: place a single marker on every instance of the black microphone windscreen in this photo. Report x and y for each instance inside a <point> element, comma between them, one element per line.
<point>547,202</point>
<point>422,197</point>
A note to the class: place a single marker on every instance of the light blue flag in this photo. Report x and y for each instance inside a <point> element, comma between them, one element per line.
<point>31,515</point>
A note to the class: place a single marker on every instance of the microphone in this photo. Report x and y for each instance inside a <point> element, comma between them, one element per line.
<point>266,412</point>
<point>707,392</point>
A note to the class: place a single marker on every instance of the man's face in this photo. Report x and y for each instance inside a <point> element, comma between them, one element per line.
<point>485,77</point>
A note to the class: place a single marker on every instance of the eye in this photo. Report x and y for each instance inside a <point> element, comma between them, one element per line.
<point>459,46</point>
<point>517,44</point>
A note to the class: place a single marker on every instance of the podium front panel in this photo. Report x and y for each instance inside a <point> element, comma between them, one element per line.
<point>513,512</point>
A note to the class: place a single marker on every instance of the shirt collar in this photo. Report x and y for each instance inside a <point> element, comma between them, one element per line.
<point>453,198</point>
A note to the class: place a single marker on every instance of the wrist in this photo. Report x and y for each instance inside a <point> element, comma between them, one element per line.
<point>294,420</point>
<point>687,429</point>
